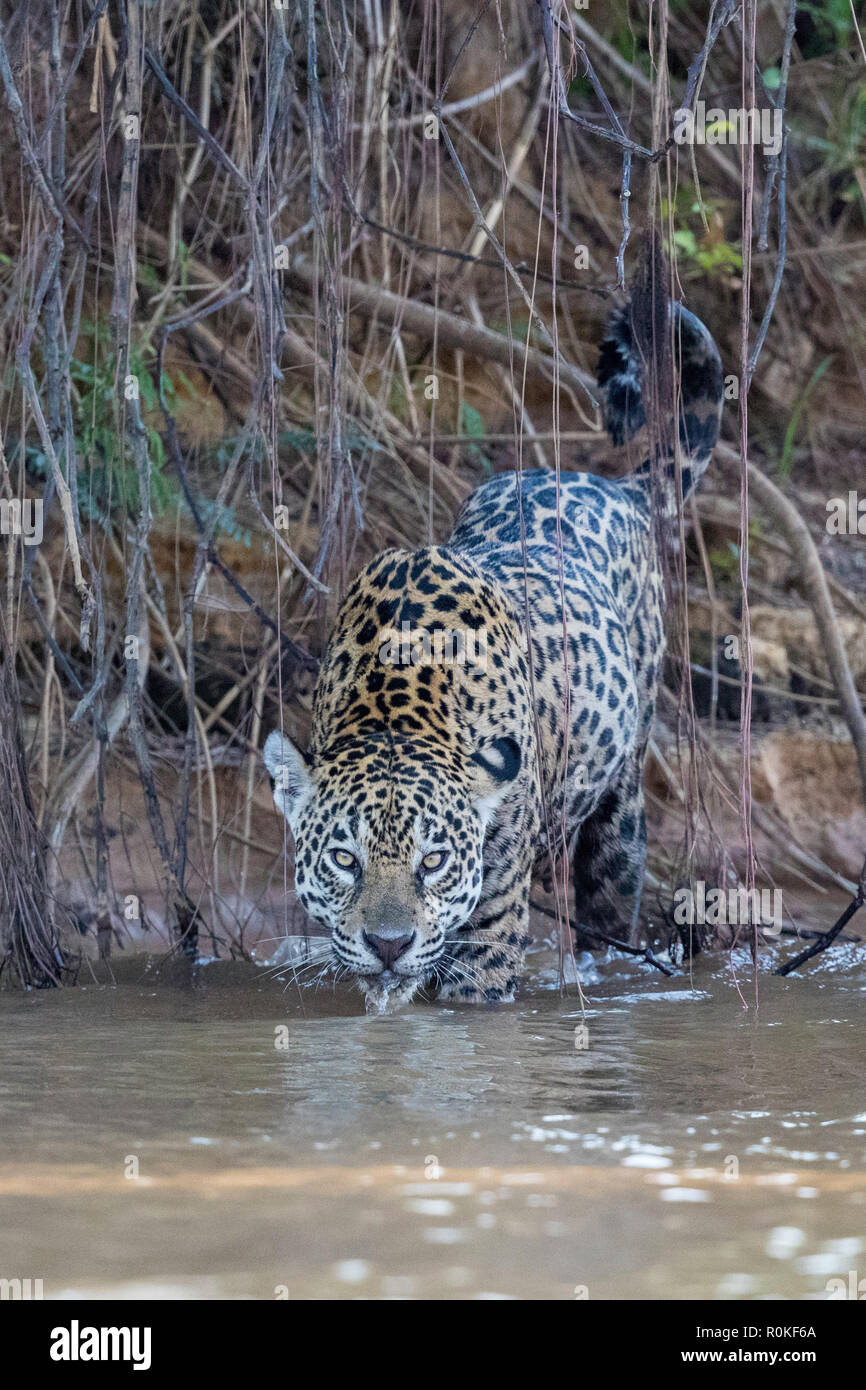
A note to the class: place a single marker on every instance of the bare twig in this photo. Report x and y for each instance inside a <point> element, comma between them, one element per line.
<point>827,938</point>
<point>644,953</point>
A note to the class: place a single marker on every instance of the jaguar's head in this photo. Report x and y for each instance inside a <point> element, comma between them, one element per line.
<point>388,839</point>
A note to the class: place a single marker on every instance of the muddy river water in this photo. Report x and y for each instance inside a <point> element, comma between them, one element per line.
<point>241,1137</point>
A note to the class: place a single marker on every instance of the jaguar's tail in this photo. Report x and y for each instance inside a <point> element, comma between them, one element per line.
<point>627,351</point>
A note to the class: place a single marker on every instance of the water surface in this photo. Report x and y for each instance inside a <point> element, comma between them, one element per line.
<point>242,1137</point>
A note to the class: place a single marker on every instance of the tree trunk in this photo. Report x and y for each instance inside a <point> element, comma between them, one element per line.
<point>29,943</point>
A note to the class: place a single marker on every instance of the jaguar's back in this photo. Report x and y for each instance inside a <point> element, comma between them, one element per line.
<point>574,557</point>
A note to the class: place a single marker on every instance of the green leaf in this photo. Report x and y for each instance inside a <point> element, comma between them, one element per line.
<point>471,423</point>
<point>685,241</point>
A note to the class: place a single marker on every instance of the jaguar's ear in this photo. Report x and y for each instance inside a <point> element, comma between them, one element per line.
<point>493,767</point>
<point>290,770</point>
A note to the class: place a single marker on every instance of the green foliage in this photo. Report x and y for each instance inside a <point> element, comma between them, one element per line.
<point>356,441</point>
<point>831,28</point>
<point>107,474</point>
<point>698,240</point>
<point>148,276</point>
<point>629,42</point>
<point>302,440</point>
<point>397,403</point>
<point>472,426</point>
<point>632,45</point>
<point>725,562</point>
<point>227,522</point>
<point>853,132</point>
<point>786,461</point>
<point>828,33</point>
<point>518,328</point>
<point>711,257</point>
<point>848,150</point>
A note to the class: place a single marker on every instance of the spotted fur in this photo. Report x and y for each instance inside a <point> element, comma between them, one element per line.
<point>537,744</point>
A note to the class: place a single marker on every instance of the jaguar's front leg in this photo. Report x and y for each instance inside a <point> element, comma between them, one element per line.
<point>483,961</point>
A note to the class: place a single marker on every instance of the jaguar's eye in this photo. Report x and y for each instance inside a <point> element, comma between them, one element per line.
<point>343,859</point>
<point>434,860</point>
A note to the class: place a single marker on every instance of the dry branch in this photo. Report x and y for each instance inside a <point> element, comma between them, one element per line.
<point>413,316</point>
<point>813,585</point>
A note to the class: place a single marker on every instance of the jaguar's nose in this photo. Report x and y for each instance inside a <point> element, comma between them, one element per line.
<point>387,946</point>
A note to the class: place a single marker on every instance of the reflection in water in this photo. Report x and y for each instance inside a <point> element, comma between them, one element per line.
<point>243,1137</point>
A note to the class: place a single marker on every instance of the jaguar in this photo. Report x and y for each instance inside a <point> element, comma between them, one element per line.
<point>442,775</point>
